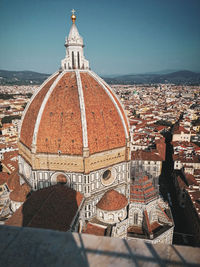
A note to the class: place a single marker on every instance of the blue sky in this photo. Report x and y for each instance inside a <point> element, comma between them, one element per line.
<point>120,36</point>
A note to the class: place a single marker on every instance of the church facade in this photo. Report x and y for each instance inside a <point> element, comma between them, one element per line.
<point>75,133</point>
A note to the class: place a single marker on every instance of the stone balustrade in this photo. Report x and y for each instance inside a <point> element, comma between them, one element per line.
<point>38,247</point>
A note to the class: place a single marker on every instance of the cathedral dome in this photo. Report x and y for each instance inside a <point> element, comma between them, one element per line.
<point>74,122</point>
<point>71,111</point>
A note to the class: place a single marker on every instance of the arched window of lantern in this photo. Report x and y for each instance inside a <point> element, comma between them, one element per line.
<point>73,65</point>
<point>78,61</point>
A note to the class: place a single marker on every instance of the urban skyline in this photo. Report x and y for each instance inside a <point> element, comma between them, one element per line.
<point>135,37</point>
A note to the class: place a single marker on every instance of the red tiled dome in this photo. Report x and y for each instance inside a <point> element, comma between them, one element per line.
<point>54,120</point>
<point>112,200</point>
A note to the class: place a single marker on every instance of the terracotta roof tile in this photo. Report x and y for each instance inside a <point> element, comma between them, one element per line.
<point>94,229</point>
<point>104,125</point>
<point>60,126</point>
<point>20,193</point>
<point>29,121</point>
<point>4,176</point>
<point>112,200</point>
<point>120,106</point>
<point>135,230</point>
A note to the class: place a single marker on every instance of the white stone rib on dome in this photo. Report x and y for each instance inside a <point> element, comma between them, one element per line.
<point>39,116</point>
<point>82,109</point>
<point>33,97</point>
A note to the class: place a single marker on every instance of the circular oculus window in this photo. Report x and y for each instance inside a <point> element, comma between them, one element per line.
<point>61,179</point>
<point>108,177</point>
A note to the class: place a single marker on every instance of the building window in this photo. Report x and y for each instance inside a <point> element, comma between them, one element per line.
<point>78,61</point>
<point>135,218</point>
<point>74,177</point>
<point>111,217</point>
<point>106,175</point>
<point>73,65</point>
<point>61,179</point>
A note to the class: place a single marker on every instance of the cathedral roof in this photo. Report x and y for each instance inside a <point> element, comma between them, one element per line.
<point>112,200</point>
<point>73,110</point>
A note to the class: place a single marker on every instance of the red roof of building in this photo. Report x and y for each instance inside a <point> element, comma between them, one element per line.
<point>94,229</point>
<point>178,129</point>
<point>191,179</point>
<point>18,192</point>
<point>142,190</point>
<point>152,155</point>
<point>112,200</point>
<point>4,176</point>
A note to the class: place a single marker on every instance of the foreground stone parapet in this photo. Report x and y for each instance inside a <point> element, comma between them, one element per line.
<point>37,247</point>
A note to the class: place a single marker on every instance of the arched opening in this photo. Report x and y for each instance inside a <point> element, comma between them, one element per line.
<point>151,216</point>
<point>73,64</point>
<point>135,218</point>
<point>78,61</point>
<point>111,217</point>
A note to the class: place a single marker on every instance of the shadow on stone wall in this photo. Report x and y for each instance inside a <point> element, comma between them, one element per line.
<point>37,247</point>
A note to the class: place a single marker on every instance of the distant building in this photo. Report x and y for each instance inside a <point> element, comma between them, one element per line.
<point>179,133</point>
<point>187,188</point>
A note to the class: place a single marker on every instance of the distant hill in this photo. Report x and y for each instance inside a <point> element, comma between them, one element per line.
<point>178,77</point>
<point>21,77</point>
